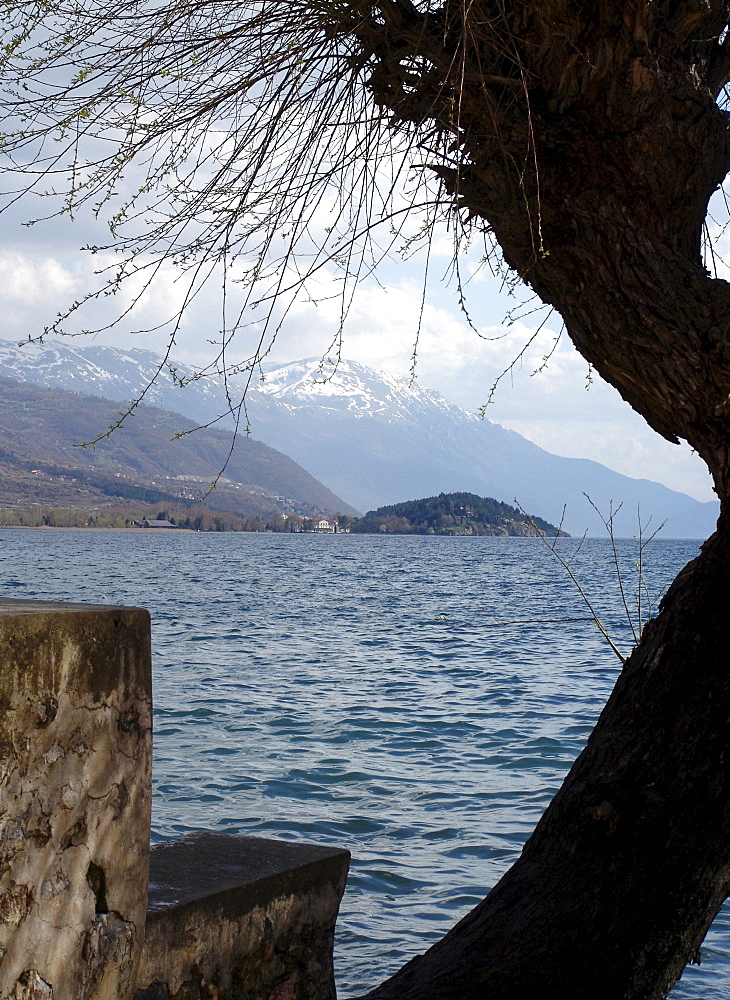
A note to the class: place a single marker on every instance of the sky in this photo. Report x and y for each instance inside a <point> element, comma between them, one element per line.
<point>559,404</point>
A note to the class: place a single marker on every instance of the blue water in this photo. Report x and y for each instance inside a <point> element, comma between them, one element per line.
<point>417,700</point>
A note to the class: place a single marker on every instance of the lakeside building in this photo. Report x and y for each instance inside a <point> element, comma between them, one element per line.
<point>155,523</point>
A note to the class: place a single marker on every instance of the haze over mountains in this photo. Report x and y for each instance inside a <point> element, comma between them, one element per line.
<point>375,439</point>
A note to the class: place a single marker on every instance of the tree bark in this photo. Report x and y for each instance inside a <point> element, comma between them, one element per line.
<point>587,137</point>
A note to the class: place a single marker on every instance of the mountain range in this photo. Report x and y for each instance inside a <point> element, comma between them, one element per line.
<point>376,439</point>
<point>151,459</point>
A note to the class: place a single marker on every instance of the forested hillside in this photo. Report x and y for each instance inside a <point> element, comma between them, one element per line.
<point>453,514</point>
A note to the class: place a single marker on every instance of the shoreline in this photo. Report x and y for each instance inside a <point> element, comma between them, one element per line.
<point>61,527</point>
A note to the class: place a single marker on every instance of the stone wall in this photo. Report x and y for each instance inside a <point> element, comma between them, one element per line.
<point>75,779</point>
<point>241,918</point>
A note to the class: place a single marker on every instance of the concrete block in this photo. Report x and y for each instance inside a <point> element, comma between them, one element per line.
<point>241,918</point>
<point>75,780</point>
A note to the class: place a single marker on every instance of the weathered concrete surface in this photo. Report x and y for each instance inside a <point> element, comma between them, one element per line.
<point>75,770</point>
<point>241,918</point>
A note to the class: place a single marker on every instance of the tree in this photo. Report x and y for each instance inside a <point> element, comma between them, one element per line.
<point>586,137</point>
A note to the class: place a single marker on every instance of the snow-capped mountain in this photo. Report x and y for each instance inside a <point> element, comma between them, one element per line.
<point>108,372</point>
<point>376,439</point>
<point>356,390</point>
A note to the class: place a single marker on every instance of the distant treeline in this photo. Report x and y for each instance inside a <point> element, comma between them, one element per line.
<point>452,514</point>
<point>446,514</point>
<point>194,518</point>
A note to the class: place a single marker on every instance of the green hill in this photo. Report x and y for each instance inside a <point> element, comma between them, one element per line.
<point>453,514</point>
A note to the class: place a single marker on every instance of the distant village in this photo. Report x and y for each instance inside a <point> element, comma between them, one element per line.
<point>295,524</point>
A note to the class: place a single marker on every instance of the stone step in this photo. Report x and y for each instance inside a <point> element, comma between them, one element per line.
<point>234,917</point>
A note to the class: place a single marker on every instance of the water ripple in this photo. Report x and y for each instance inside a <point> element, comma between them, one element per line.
<point>365,692</point>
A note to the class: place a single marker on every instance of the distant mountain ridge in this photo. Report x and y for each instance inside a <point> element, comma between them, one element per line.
<point>41,430</point>
<point>374,439</point>
<point>377,439</point>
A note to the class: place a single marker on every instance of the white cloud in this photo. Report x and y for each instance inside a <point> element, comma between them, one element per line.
<point>26,282</point>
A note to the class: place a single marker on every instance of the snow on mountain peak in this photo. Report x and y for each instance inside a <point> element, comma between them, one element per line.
<point>344,386</point>
<point>348,385</point>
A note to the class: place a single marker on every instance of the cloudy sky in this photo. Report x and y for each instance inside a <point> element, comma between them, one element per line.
<point>559,405</point>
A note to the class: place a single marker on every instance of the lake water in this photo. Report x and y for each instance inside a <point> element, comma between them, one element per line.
<point>415,699</point>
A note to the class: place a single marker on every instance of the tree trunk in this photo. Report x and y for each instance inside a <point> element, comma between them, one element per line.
<point>585,135</point>
<point>617,886</point>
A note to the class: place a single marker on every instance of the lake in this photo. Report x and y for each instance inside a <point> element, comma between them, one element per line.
<point>415,699</point>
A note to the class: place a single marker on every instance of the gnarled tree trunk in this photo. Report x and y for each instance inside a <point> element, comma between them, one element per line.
<point>586,134</point>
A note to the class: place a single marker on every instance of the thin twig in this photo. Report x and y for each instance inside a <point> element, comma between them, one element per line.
<point>576,582</point>
<point>608,525</point>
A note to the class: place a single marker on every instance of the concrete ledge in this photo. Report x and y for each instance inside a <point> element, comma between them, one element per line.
<point>241,918</point>
<point>75,762</point>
